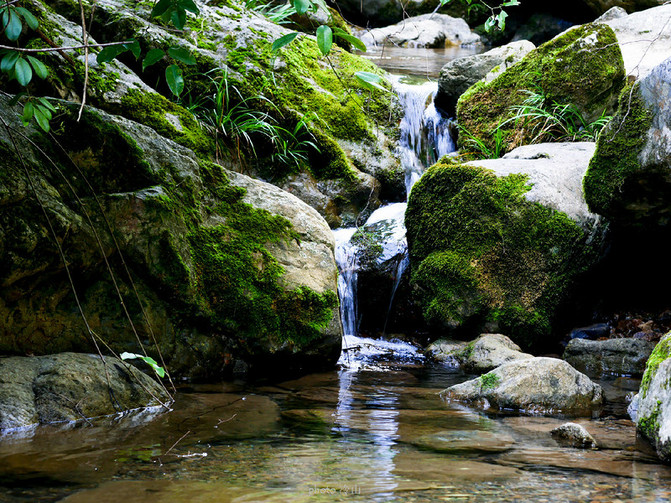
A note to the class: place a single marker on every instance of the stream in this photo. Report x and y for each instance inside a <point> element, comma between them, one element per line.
<point>375,430</point>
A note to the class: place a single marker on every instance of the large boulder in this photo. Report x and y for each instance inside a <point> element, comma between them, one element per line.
<point>461,73</point>
<point>531,386</point>
<point>480,355</point>
<point>609,357</point>
<point>498,244</point>
<point>582,68</point>
<point>427,30</point>
<point>232,48</point>
<point>653,402</point>
<point>644,37</point>
<point>71,387</point>
<point>222,271</point>
<point>628,178</point>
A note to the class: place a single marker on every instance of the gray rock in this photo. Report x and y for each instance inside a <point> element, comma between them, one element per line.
<point>644,38</point>
<point>611,14</point>
<point>651,408</point>
<point>446,351</point>
<point>612,356</point>
<point>627,180</point>
<point>488,352</point>
<point>555,172</point>
<point>465,441</point>
<point>602,6</point>
<point>70,387</point>
<point>427,30</point>
<point>461,73</point>
<point>573,435</point>
<point>531,386</point>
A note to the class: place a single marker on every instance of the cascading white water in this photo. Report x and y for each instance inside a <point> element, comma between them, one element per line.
<point>425,137</point>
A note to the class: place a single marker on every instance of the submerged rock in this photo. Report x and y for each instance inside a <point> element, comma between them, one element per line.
<point>461,73</point>
<point>582,68</point>
<point>612,356</point>
<point>652,405</point>
<point>531,386</point>
<point>427,30</point>
<point>499,243</point>
<point>573,435</point>
<point>628,177</point>
<point>466,441</point>
<point>71,387</point>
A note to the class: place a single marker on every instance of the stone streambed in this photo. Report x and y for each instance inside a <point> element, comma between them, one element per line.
<point>379,433</point>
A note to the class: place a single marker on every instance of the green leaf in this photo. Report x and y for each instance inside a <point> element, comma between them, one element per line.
<point>370,80</point>
<point>13,26</point>
<point>152,57</point>
<point>23,72</point>
<point>181,54</point>
<point>41,120</point>
<point>188,5</point>
<point>501,20</point>
<point>40,68</point>
<point>109,53</point>
<point>324,39</point>
<point>28,111</point>
<point>30,20</point>
<point>8,62</point>
<point>173,76</point>
<point>161,7</point>
<point>356,42</point>
<point>302,6</point>
<point>283,40</point>
<point>489,24</point>
<point>147,359</point>
<point>510,3</point>
<point>134,48</point>
<point>45,103</point>
<point>178,17</point>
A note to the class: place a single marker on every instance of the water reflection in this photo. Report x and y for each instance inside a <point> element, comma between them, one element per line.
<point>417,61</point>
<point>381,423</point>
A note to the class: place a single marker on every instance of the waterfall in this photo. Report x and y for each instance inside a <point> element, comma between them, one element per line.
<point>425,137</point>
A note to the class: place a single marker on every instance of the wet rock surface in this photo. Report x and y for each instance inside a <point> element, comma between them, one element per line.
<point>530,386</point>
<point>573,435</point>
<point>69,387</point>
<point>611,356</point>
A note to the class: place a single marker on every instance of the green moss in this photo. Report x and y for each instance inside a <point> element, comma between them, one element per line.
<point>232,284</point>
<point>481,252</point>
<point>566,69</point>
<point>616,158</point>
<point>661,352</point>
<point>649,425</point>
<point>166,118</point>
<point>489,381</point>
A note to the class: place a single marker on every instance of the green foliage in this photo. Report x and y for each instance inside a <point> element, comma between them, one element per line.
<point>160,371</point>
<point>174,11</point>
<point>497,18</point>
<point>548,120</point>
<point>278,14</point>
<point>241,122</point>
<point>489,380</point>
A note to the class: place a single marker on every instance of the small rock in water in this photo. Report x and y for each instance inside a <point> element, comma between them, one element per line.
<point>573,435</point>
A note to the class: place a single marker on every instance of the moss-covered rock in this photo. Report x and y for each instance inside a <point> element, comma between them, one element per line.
<point>484,255</point>
<point>628,178</point>
<point>214,256</point>
<point>653,415</point>
<point>295,84</point>
<point>582,67</point>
